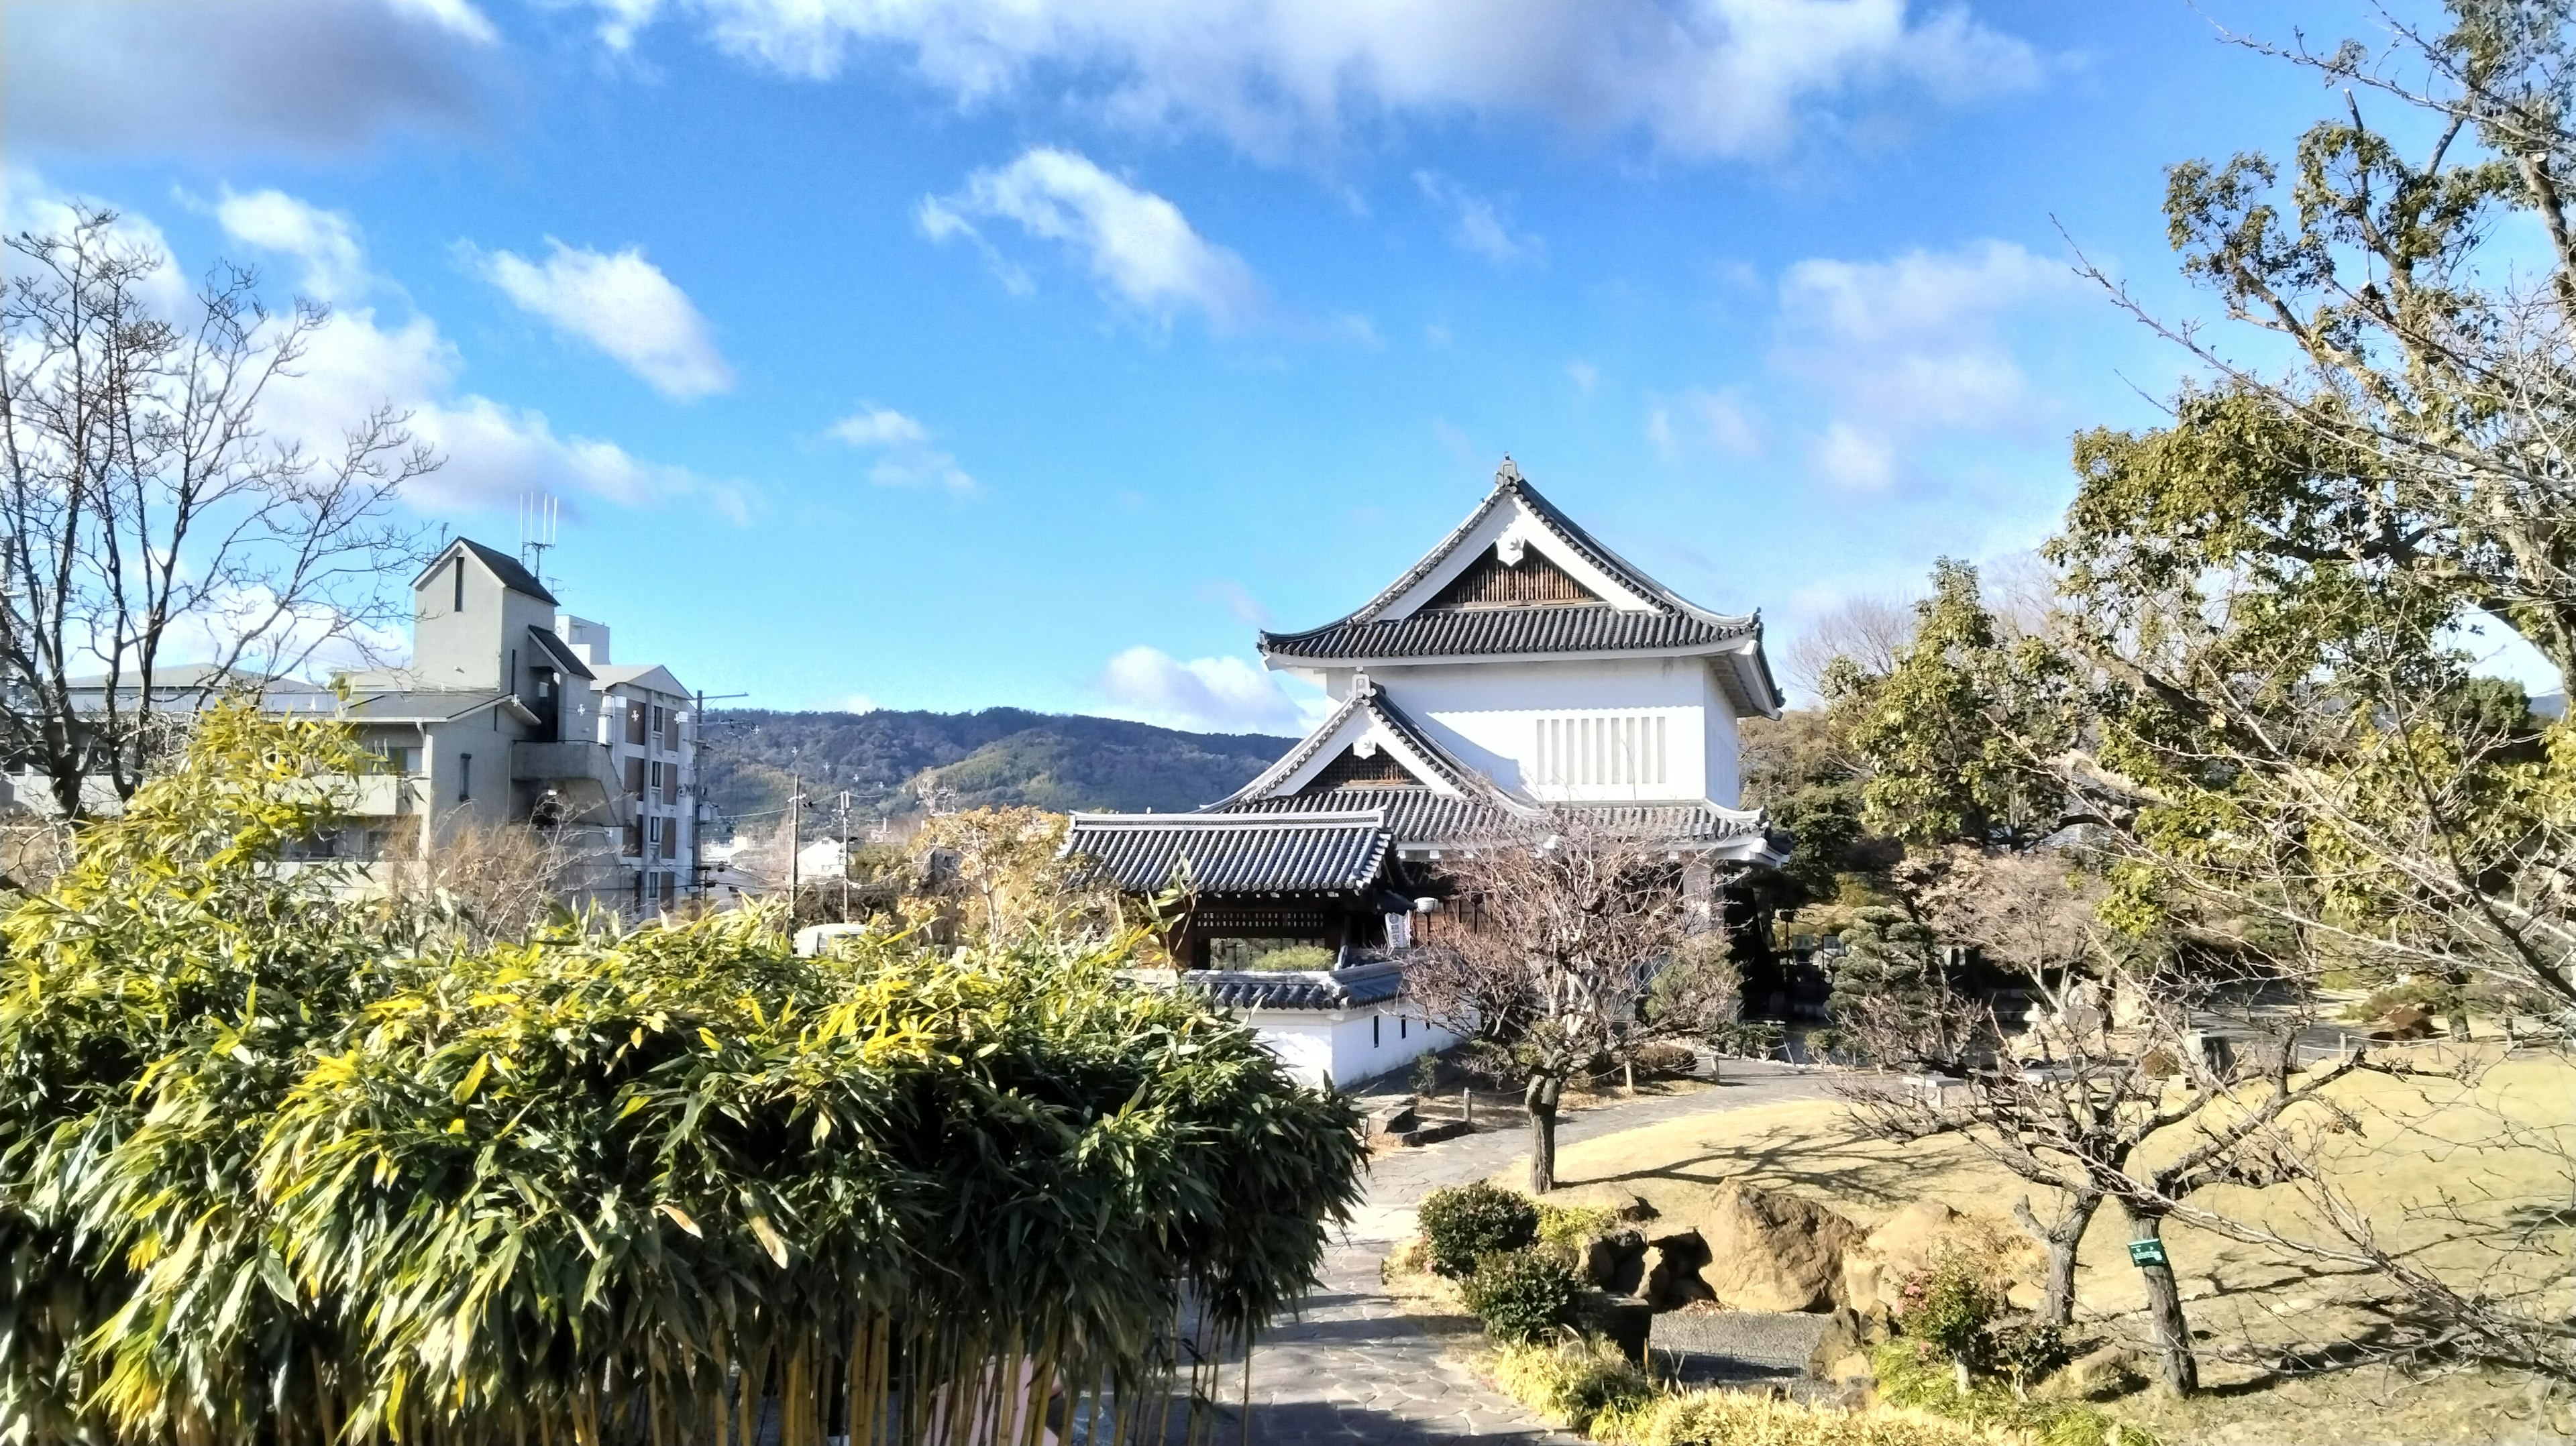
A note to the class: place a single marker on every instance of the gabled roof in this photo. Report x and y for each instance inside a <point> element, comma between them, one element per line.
<point>1635,614</point>
<point>565,659</point>
<point>1312,853</point>
<point>1367,715</point>
<point>503,565</point>
<point>1456,807</point>
<point>650,676</point>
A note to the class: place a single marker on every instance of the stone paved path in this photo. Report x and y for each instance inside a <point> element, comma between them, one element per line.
<point>1350,1368</point>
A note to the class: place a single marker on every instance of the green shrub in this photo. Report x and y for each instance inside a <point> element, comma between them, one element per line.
<point>1912,1375</point>
<point>2026,1353</point>
<point>1522,1295</point>
<point>268,1155</point>
<point>1571,1382</point>
<point>1948,1307</point>
<point>1663,1057</point>
<point>1467,1222</point>
<point>1296,956</point>
<point>1570,1227</point>
<point>1722,1417</point>
<point>1426,1073</point>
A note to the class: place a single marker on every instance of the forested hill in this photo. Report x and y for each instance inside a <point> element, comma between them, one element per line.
<point>998,756</point>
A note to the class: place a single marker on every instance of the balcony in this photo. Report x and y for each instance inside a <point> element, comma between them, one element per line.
<point>384,795</point>
<point>581,778</point>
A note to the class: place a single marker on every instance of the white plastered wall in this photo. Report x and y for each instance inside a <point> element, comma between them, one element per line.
<point>1488,716</point>
<point>1351,1045</point>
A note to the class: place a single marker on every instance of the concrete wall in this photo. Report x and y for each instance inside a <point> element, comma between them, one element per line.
<point>1489,715</point>
<point>471,647</point>
<point>1351,1045</point>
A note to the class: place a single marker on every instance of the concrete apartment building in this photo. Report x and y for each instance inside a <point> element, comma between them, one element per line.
<point>511,713</point>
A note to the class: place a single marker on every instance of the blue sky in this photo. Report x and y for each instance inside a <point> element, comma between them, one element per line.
<point>1010,351</point>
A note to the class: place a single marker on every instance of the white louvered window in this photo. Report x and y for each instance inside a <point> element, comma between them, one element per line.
<point>1601,751</point>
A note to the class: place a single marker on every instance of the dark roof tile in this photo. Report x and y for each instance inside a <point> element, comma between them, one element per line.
<point>1316,853</point>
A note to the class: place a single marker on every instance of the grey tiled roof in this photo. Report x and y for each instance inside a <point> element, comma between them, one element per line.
<point>1311,853</point>
<point>1671,623</point>
<point>1509,631</point>
<point>1366,697</point>
<point>1419,818</point>
<point>1369,983</point>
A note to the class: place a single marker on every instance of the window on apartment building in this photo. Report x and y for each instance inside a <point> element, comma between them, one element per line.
<point>653,828</point>
<point>635,723</point>
<point>635,839</point>
<point>464,778</point>
<point>653,777</point>
<point>1600,751</point>
<point>661,720</point>
<point>635,778</point>
<point>671,840</point>
<point>460,582</point>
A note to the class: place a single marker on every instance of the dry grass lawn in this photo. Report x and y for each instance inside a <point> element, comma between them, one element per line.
<point>2422,1143</point>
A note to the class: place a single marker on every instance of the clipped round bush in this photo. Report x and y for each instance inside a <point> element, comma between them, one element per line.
<point>1948,1308</point>
<point>1667,1058</point>
<point>2027,1353</point>
<point>1522,1295</point>
<point>1465,1223</point>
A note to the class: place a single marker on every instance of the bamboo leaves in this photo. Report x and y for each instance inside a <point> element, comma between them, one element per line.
<point>598,1183</point>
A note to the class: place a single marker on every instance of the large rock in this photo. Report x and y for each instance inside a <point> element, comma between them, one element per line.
<point>1771,1251</point>
<point>1626,1204</point>
<point>1615,1262</point>
<point>1672,1274</point>
<point>1876,1267</point>
<point>2110,1370</point>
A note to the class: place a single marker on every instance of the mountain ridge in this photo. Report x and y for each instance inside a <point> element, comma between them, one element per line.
<point>750,759</point>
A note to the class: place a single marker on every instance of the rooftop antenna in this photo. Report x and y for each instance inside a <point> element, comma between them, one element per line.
<point>539,515</point>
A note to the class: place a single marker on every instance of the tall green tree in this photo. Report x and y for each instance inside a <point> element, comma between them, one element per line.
<point>1957,736</point>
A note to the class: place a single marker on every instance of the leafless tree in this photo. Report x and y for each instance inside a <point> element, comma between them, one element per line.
<point>2072,1103</point>
<point>145,508</point>
<point>1870,631</point>
<point>1563,925</point>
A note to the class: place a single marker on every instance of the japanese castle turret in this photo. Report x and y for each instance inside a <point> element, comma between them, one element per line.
<point>1519,667</point>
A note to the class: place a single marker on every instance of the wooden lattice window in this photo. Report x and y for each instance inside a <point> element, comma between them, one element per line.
<point>1534,582</point>
<point>1287,921</point>
<point>1349,770</point>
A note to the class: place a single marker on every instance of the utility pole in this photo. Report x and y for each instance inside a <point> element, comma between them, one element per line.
<point>845,856</point>
<point>698,808</point>
<point>795,807</point>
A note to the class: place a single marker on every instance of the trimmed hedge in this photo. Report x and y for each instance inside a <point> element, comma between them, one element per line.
<point>1465,1223</point>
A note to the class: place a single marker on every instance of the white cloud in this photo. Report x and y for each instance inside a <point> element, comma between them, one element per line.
<point>1139,246</point>
<point>1695,77</point>
<point>194,76</point>
<point>359,361</point>
<point>621,304</point>
<point>1853,459</point>
<point>880,427</point>
<point>326,242</point>
<point>1479,228</point>
<point>903,453</point>
<point>1587,377</point>
<point>1219,695</point>
<point>1720,421</point>
<point>29,204</point>
<point>1906,348</point>
<point>849,703</point>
